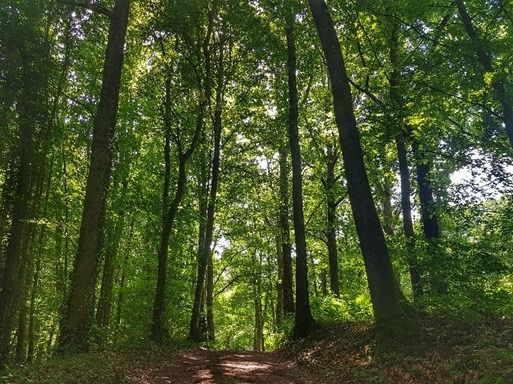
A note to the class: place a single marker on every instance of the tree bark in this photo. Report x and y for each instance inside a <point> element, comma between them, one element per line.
<point>285,244</point>
<point>194,331</point>
<point>104,308</point>
<point>79,314</point>
<point>206,253</point>
<point>387,299</point>
<point>12,279</point>
<point>331,205</point>
<point>304,321</point>
<point>404,171</point>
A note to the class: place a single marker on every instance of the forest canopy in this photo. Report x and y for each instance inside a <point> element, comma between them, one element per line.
<point>239,172</point>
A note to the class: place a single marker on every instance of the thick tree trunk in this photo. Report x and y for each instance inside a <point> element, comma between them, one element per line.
<point>285,244</point>
<point>304,321</point>
<point>485,60</point>
<point>79,314</point>
<point>387,299</point>
<point>331,205</point>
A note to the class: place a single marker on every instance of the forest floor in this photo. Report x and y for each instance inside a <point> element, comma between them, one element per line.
<point>447,351</point>
<point>215,367</point>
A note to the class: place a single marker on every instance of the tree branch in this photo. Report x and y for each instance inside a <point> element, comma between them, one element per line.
<point>92,7</point>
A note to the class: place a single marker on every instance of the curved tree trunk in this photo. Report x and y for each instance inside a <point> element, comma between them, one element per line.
<point>387,299</point>
<point>79,314</point>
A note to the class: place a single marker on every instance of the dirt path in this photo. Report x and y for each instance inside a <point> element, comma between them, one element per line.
<point>212,367</point>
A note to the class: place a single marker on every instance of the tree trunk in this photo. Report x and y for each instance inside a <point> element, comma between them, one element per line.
<point>485,60</point>
<point>387,299</point>
<point>304,321</point>
<point>388,212</point>
<point>285,244</point>
<point>210,298</point>
<point>79,314</point>
<point>194,331</point>
<point>104,309</point>
<point>12,280</point>
<point>204,259</point>
<point>395,95</point>
<point>158,329</point>
<point>409,232</point>
<point>429,218</point>
<point>331,205</point>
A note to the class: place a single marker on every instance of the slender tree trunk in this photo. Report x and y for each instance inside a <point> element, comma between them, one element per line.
<point>194,329</point>
<point>194,332</point>
<point>258,338</point>
<point>331,205</point>
<point>387,299</point>
<point>79,314</point>
<point>394,79</point>
<point>279,282</point>
<point>121,294</point>
<point>285,244</point>
<point>158,330</point>
<point>12,280</point>
<point>304,321</point>
<point>429,218</point>
<point>104,310</point>
<point>210,298</point>
<point>409,232</point>
<point>32,327</point>
<point>388,213</point>
<point>485,60</point>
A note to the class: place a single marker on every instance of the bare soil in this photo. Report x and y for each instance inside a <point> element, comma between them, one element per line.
<point>214,367</point>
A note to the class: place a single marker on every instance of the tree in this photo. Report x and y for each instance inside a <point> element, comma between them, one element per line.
<point>304,321</point>
<point>79,314</point>
<point>387,300</point>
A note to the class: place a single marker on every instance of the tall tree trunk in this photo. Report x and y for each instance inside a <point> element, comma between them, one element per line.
<point>12,280</point>
<point>304,321</point>
<point>409,232</point>
<point>258,336</point>
<point>32,308</point>
<point>400,141</point>
<point>429,218</point>
<point>388,212</point>
<point>104,309</point>
<point>331,205</point>
<point>158,329</point>
<point>485,60</point>
<point>79,314</point>
<point>195,329</point>
<point>285,244</point>
<point>387,299</point>
<point>121,294</point>
<point>210,298</point>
